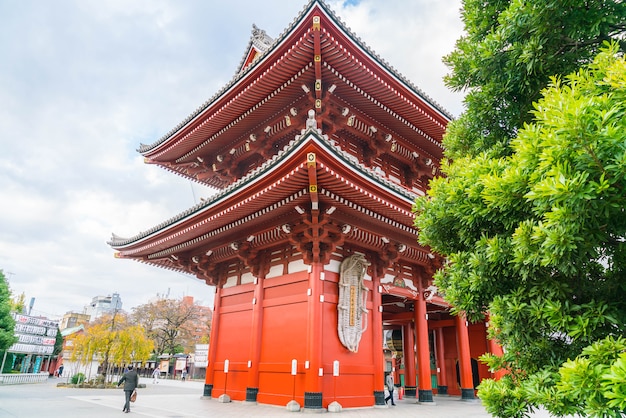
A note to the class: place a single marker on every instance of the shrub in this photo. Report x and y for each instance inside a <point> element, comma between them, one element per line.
<point>78,378</point>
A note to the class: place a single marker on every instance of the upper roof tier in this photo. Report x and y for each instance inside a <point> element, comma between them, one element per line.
<point>317,63</point>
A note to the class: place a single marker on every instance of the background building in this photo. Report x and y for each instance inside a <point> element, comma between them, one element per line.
<point>101,305</point>
<point>73,319</point>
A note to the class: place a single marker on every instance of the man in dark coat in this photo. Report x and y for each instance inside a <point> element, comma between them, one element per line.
<point>130,381</point>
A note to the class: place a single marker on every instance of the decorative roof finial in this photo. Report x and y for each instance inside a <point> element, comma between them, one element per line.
<point>260,39</point>
<point>311,123</point>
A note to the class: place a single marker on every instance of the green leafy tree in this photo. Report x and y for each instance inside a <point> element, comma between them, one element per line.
<point>537,238</point>
<point>7,323</point>
<point>510,51</point>
<point>58,343</point>
<point>525,235</point>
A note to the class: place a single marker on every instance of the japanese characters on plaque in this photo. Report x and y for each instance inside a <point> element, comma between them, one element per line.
<point>35,335</point>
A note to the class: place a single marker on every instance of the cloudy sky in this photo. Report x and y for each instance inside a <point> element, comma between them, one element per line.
<point>83,83</point>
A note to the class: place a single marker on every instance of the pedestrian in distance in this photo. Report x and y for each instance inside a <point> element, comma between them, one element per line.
<point>60,370</point>
<point>155,375</point>
<point>184,375</point>
<point>130,379</point>
<point>390,388</point>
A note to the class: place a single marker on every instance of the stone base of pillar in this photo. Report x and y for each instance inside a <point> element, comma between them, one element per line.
<point>425,396</point>
<point>251,394</point>
<point>467,394</point>
<point>379,398</point>
<point>208,390</point>
<point>442,390</point>
<point>293,406</point>
<point>334,407</point>
<point>410,391</point>
<point>313,402</point>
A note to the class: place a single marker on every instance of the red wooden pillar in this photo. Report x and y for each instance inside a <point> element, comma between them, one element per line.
<point>394,369</point>
<point>313,363</point>
<point>215,324</point>
<point>465,359</point>
<point>409,360</point>
<point>377,341</point>
<point>442,377</point>
<point>425,384</point>
<point>496,349</point>
<point>255,346</point>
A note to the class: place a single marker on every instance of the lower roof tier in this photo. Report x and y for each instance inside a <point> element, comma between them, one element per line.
<point>312,197</point>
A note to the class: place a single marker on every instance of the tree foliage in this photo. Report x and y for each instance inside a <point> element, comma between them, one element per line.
<point>7,323</point>
<point>536,237</point>
<point>510,51</point>
<point>112,340</point>
<point>58,343</point>
<point>530,213</point>
<point>18,303</point>
<point>172,324</point>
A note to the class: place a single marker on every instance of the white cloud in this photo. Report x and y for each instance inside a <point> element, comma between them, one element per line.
<point>83,83</point>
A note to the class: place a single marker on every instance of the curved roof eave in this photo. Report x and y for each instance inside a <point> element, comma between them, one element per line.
<point>384,64</point>
<point>238,77</point>
<point>263,171</point>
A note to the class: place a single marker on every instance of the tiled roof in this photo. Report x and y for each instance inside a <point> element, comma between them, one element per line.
<point>346,159</point>
<point>240,75</point>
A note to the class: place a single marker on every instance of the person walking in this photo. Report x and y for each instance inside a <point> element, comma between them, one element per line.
<point>130,379</point>
<point>184,375</point>
<point>390,388</point>
<point>155,375</point>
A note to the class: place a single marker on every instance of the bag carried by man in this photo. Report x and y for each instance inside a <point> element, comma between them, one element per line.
<point>133,396</point>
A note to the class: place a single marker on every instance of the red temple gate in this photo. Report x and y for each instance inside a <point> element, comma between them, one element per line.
<point>318,149</point>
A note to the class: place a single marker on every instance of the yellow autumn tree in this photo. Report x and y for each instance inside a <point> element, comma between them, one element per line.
<point>111,340</point>
<point>132,345</point>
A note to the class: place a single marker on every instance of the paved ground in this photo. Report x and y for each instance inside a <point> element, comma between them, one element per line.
<point>176,399</point>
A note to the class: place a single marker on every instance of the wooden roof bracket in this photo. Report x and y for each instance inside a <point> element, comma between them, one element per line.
<point>257,261</point>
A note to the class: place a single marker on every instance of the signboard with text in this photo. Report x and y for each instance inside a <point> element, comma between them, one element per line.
<point>34,335</point>
<point>181,363</point>
<point>201,356</point>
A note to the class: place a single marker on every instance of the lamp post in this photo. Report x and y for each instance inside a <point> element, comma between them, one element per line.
<point>105,363</point>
